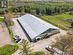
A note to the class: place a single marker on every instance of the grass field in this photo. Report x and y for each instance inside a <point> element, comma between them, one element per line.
<point>58,20</point>
<point>8,49</point>
<point>1,19</point>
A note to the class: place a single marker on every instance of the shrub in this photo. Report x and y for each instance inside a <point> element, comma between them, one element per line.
<point>38,53</point>
<point>8,49</point>
<point>1,19</point>
<point>11,34</point>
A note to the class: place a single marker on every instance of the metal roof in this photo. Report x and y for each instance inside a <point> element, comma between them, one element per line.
<point>33,25</point>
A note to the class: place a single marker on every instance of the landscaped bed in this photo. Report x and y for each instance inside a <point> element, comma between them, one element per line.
<point>8,49</point>
<point>58,20</point>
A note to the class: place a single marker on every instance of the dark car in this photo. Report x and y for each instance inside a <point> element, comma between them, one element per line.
<point>17,38</point>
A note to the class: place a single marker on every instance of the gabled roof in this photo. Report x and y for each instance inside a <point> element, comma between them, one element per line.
<point>33,25</point>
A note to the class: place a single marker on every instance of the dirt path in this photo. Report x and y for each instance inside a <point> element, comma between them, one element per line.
<point>4,35</point>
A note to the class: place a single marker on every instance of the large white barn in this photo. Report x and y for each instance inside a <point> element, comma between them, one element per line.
<point>34,27</point>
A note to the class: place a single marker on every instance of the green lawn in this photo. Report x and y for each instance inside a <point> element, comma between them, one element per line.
<point>58,20</point>
<point>8,49</point>
<point>38,53</point>
<point>1,19</point>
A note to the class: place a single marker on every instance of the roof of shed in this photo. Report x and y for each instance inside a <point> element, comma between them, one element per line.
<point>33,25</point>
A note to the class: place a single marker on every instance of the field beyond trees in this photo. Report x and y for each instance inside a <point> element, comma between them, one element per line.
<point>58,20</point>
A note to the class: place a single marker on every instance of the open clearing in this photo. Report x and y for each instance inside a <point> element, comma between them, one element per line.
<point>4,35</point>
<point>58,20</point>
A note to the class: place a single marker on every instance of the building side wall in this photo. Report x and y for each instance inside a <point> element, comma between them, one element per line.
<point>25,31</point>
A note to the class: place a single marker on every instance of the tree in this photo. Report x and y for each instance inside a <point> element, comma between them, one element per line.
<point>70,51</point>
<point>72,24</point>
<point>49,11</point>
<point>26,49</point>
<point>37,11</point>
<point>65,44</point>
<point>38,53</point>
<point>8,19</point>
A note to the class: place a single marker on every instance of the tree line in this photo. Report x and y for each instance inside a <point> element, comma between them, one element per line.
<point>44,8</point>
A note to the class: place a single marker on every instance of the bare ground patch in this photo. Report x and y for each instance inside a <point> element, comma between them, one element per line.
<point>4,35</point>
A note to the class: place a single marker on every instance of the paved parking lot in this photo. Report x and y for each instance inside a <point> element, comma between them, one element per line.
<point>40,45</point>
<point>4,35</point>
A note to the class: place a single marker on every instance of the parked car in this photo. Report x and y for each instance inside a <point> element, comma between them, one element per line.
<point>54,50</point>
<point>17,38</point>
<point>49,48</point>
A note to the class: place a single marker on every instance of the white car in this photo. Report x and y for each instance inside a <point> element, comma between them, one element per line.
<point>49,48</point>
<point>55,51</point>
